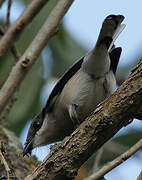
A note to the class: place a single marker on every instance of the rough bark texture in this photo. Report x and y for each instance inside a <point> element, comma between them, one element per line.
<point>65,159</point>
<point>10,149</point>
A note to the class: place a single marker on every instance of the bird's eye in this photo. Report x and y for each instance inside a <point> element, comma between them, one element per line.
<point>36,125</point>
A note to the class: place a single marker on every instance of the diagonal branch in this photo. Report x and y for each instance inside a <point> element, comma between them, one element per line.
<point>28,59</point>
<point>66,158</point>
<point>111,165</point>
<point>20,24</point>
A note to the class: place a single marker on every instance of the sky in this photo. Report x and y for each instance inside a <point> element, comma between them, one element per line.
<point>83,21</point>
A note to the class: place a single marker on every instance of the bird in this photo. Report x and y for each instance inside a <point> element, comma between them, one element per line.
<point>78,92</point>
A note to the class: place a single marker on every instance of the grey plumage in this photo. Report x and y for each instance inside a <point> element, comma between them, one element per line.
<point>87,83</point>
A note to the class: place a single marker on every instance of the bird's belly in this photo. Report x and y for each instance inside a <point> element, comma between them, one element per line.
<point>86,92</point>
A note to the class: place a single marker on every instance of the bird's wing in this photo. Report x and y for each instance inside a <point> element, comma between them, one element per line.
<point>62,81</point>
<point>114,58</point>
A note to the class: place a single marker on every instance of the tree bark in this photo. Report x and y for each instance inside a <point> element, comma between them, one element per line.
<point>12,166</point>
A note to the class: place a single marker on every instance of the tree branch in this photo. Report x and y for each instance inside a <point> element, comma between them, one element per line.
<point>15,29</point>
<point>8,13</point>
<point>66,158</point>
<point>28,59</point>
<point>111,165</point>
<point>13,48</point>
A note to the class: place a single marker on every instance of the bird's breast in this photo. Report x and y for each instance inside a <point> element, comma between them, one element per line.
<point>86,92</point>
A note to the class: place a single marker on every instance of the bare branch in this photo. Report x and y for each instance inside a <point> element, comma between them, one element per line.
<point>20,24</point>
<point>66,158</point>
<point>27,60</point>
<point>111,165</point>
<point>13,48</point>
<point>15,52</point>
<point>8,13</point>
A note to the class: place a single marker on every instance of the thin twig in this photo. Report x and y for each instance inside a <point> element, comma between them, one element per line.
<point>15,52</point>
<point>15,29</point>
<point>111,165</point>
<point>13,48</point>
<point>98,158</point>
<point>8,13</point>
